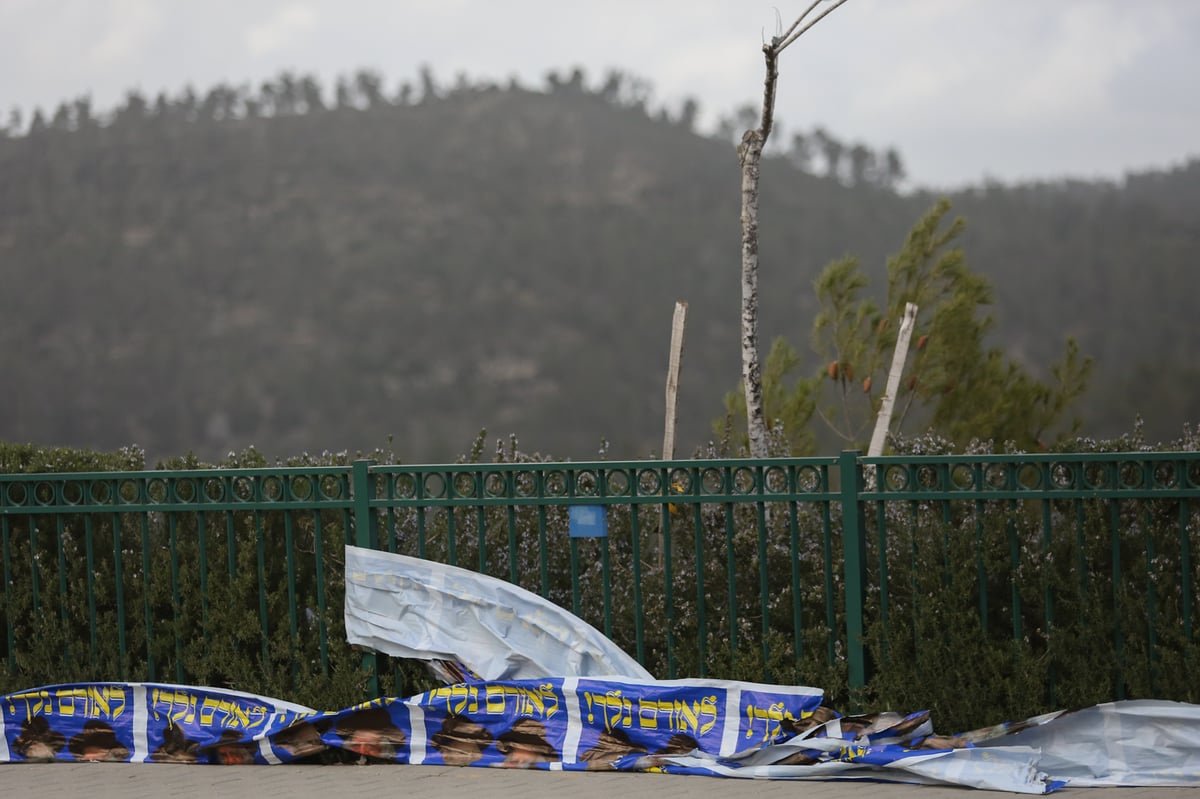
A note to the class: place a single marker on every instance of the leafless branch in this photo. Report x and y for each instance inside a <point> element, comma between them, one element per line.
<point>844,435</point>
<point>794,36</point>
<point>775,41</point>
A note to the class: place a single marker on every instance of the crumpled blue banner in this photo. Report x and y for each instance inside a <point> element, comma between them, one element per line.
<point>588,723</point>
<point>710,727</point>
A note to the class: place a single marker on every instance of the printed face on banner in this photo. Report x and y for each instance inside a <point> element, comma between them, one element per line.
<point>196,725</point>
<point>768,717</point>
<point>378,729</point>
<point>619,720</point>
<point>70,722</point>
<point>512,725</point>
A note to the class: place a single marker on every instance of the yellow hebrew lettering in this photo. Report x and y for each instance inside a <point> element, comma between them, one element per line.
<point>439,695</point>
<point>660,707</point>
<point>708,708</point>
<point>649,722</point>
<point>31,708</point>
<point>687,715</point>
<point>549,698</point>
<point>772,718</point>
<point>467,696</point>
<point>260,714</point>
<point>208,709</point>
<point>43,703</point>
<point>623,715</point>
<point>532,702</point>
<point>66,700</point>
<point>98,703</point>
<point>495,699</point>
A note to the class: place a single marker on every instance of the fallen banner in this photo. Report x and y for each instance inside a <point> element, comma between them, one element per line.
<point>710,727</point>
<point>532,686</point>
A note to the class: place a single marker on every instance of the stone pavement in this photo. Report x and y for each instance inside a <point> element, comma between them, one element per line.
<point>142,781</point>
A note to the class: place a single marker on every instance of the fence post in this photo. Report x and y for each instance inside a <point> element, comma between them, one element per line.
<point>855,563</point>
<point>366,535</point>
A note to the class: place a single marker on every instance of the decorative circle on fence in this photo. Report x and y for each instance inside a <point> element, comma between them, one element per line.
<point>808,478</point>
<point>648,483</point>
<point>1130,475</point>
<point>1096,475</point>
<point>100,493</point>
<point>331,487</point>
<point>301,487</point>
<point>556,483</point>
<point>525,483</point>
<point>996,475</point>
<point>129,491</point>
<point>495,484</point>
<point>72,492</point>
<point>712,481</point>
<point>17,495</point>
<point>929,477</point>
<point>775,480</point>
<point>618,483</point>
<point>1166,475</point>
<point>681,481</point>
<point>587,484</point>
<point>962,477</point>
<point>895,478</point>
<point>156,490</point>
<point>465,485</point>
<point>405,486</point>
<point>272,488</point>
<point>214,489</point>
<point>1193,474</point>
<point>1029,476</point>
<point>43,493</point>
<point>243,489</point>
<point>745,481</point>
<point>435,486</point>
<point>1063,475</point>
<point>184,490</point>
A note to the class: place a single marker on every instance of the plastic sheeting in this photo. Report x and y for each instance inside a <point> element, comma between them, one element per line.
<point>412,608</point>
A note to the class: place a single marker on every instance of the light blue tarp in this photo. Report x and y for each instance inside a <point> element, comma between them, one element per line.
<point>412,608</point>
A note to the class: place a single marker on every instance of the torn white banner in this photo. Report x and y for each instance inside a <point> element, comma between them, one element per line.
<point>413,608</point>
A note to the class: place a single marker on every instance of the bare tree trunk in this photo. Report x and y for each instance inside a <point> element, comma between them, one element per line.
<point>750,155</point>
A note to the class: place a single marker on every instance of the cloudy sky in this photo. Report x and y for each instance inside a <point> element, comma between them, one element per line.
<point>965,89</point>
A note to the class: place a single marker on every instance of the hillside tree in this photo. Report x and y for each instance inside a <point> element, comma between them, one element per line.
<point>953,382</point>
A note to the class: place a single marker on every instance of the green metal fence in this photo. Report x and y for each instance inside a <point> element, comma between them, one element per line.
<point>710,567</point>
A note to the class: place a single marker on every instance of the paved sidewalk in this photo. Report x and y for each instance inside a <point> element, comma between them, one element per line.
<point>143,781</point>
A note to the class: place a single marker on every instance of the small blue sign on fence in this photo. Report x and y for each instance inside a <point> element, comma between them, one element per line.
<point>588,521</point>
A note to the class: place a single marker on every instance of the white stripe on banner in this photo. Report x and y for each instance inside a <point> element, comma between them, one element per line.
<point>5,757</point>
<point>141,719</point>
<point>570,687</point>
<point>416,744</point>
<point>264,749</point>
<point>733,715</point>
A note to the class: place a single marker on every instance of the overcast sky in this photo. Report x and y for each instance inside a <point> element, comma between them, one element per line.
<point>964,89</point>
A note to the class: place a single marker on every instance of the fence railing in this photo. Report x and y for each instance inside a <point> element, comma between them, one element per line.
<point>708,567</point>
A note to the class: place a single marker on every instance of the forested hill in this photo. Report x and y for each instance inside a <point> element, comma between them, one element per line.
<point>207,273</point>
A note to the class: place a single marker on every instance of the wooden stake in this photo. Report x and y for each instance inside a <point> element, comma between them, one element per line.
<point>893,382</point>
<point>677,325</point>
